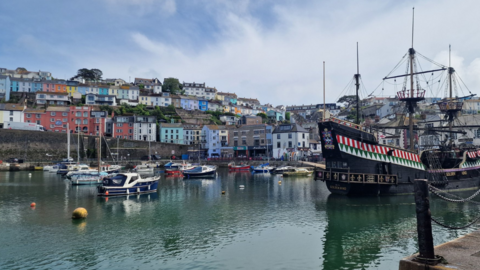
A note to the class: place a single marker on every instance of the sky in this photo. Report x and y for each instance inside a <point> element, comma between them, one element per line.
<point>272,50</point>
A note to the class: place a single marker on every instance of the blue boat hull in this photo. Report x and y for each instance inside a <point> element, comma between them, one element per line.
<point>146,187</point>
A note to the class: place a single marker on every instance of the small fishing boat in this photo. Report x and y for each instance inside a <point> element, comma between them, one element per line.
<point>263,168</point>
<point>174,165</point>
<point>127,184</point>
<point>241,167</point>
<point>64,168</point>
<point>80,169</point>
<point>144,168</point>
<point>54,169</point>
<point>281,170</point>
<point>47,168</point>
<point>298,172</point>
<point>110,168</point>
<point>87,179</point>
<point>201,171</point>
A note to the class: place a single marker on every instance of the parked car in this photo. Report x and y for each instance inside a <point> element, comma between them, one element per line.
<point>14,160</point>
<point>156,157</point>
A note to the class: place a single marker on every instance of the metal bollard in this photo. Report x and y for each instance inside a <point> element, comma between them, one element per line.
<point>424,223</point>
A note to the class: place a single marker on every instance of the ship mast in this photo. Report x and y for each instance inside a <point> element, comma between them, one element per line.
<point>410,106</point>
<point>357,86</point>
<point>450,72</point>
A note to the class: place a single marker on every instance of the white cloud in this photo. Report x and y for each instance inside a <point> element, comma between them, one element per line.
<point>167,7</point>
<point>280,62</point>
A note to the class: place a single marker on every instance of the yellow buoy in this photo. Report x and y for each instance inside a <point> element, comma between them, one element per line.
<point>79,213</point>
<point>223,191</point>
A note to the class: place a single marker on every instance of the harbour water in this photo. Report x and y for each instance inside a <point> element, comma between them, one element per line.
<point>189,224</point>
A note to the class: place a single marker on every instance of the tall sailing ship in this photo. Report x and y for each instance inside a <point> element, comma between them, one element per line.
<point>357,164</point>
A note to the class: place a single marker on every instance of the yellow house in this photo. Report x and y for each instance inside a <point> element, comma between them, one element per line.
<point>144,100</point>
<point>72,89</point>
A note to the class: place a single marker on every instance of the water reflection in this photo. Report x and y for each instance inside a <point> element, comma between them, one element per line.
<point>260,222</point>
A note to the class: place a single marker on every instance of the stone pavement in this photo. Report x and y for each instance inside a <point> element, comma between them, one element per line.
<point>462,253</point>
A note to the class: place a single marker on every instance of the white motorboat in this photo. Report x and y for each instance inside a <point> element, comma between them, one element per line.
<point>201,171</point>
<point>144,168</point>
<point>127,184</point>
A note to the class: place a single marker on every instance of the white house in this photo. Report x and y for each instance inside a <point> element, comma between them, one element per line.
<point>195,89</point>
<point>211,133</point>
<point>11,112</point>
<point>292,140</point>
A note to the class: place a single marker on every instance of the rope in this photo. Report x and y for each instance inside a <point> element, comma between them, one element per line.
<point>454,227</point>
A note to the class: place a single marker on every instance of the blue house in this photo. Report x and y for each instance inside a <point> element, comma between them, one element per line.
<point>5,87</point>
<point>202,104</point>
<point>37,86</point>
<point>82,89</point>
<point>103,90</point>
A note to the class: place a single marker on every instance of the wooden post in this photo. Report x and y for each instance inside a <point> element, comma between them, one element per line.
<point>424,222</point>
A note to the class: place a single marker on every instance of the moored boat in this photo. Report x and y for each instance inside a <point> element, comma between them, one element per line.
<point>201,171</point>
<point>241,167</point>
<point>281,170</point>
<point>127,184</point>
<point>144,168</point>
<point>263,168</point>
<point>298,172</point>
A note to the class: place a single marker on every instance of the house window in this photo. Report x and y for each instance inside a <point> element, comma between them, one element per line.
<point>278,136</point>
<point>37,116</point>
<point>64,114</point>
<point>289,144</point>
<point>166,130</point>
<point>52,119</point>
<point>278,145</point>
<point>64,120</point>
<point>52,113</point>
<point>29,115</point>
<point>289,135</point>
<point>85,121</point>
<point>244,141</point>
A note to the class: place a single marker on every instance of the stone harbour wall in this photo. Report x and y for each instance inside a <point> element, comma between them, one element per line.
<point>51,146</point>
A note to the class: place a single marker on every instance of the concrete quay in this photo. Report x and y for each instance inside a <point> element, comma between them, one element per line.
<point>462,253</point>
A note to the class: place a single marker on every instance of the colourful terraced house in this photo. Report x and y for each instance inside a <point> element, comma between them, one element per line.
<point>72,87</point>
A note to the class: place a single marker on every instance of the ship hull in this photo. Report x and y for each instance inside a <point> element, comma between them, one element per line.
<point>357,165</point>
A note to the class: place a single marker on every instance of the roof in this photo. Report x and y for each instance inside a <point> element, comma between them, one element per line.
<point>52,93</point>
<point>57,109</point>
<point>34,111</point>
<point>287,128</point>
<point>171,125</point>
<point>13,107</point>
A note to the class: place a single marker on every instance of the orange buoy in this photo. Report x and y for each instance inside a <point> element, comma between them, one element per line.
<point>33,204</point>
<point>106,192</point>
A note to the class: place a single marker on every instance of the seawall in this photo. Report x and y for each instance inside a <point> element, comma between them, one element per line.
<point>35,146</point>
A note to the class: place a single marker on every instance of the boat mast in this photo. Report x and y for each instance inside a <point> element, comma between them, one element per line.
<point>323,91</point>
<point>411,108</point>
<point>68,142</point>
<point>357,85</point>
<point>99,146</point>
<point>450,72</point>
<point>78,143</point>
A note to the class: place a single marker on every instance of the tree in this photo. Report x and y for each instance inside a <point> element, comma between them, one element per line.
<point>264,117</point>
<point>172,85</point>
<point>350,100</point>
<point>287,116</point>
<point>89,74</point>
